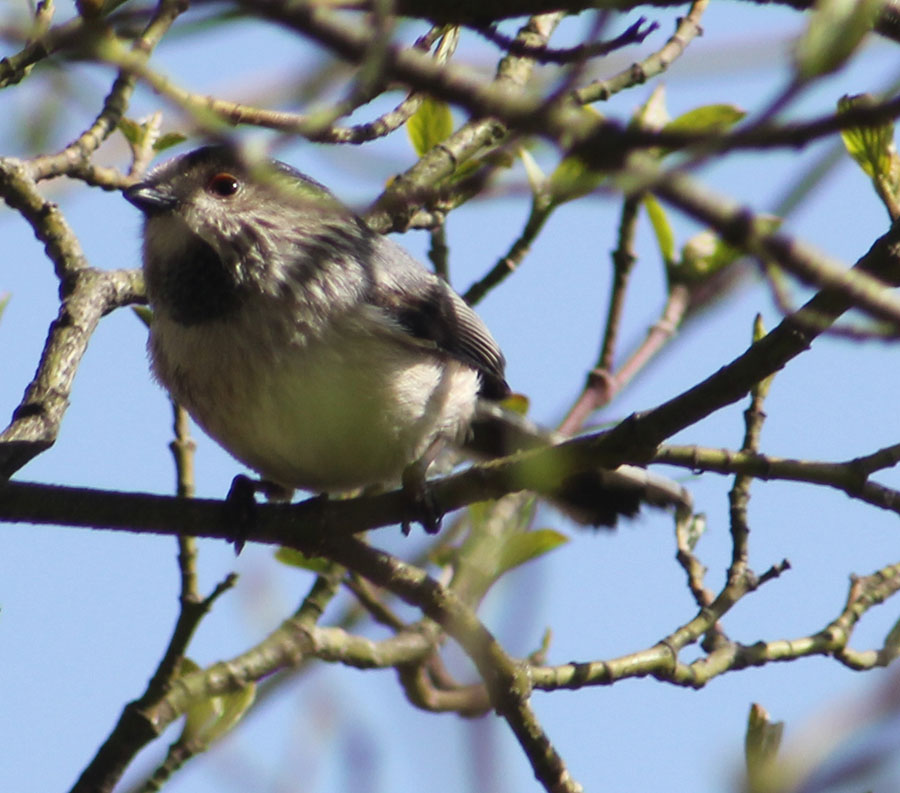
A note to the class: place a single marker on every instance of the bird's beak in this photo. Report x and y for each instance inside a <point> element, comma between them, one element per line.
<point>149,198</point>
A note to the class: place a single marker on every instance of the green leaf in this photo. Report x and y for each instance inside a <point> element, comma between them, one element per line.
<point>491,161</point>
<point>708,118</point>
<point>892,642</point>
<point>443,555</point>
<point>761,389</point>
<point>701,251</point>
<point>132,131</point>
<point>836,28</point>
<point>665,238</point>
<point>761,746</point>
<point>520,548</point>
<point>209,719</point>
<point>706,253</point>
<point>759,328</point>
<point>4,301</point>
<point>144,314</point>
<point>572,179</point>
<point>295,558</point>
<point>652,114</point>
<point>536,177</point>
<point>695,530</point>
<point>871,147</point>
<point>169,140</point>
<point>517,403</point>
<point>479,512</point>
<point>233,707</point>
<point>431,124</point>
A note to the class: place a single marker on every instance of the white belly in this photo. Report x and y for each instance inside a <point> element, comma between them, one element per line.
<point>324,415</point>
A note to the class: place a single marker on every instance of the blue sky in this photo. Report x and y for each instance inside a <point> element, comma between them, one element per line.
<point>85,615</point>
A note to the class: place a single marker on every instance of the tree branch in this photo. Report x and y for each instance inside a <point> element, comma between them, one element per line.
<point>506,680</point>
<point>765,357</point>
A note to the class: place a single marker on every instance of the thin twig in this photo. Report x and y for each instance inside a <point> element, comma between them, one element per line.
<point>739,496</point>
<point>634,34</point>
<point>687,28</point>
<point>78,152</point>
<point>599,388</point>
<point>507,682</point>
<point>508,263</point>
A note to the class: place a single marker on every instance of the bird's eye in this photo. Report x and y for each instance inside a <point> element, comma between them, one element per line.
<point>223,185</point>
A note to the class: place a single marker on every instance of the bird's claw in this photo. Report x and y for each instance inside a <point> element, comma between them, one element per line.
<point>241,510</point>
<point>242,506</point>
<point>415,486</point>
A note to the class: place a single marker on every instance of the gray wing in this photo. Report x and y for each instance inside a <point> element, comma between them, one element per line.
<point>426,308</point>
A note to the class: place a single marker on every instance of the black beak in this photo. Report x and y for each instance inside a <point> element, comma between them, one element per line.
<point>149,199</point>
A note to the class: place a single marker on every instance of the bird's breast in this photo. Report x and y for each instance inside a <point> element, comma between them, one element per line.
<point>326,410</point>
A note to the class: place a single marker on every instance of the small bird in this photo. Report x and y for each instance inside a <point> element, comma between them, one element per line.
<point>320,354</point>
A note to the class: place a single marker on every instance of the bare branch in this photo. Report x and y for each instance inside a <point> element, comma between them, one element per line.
<point>635,34</point>
<point>686,30</point>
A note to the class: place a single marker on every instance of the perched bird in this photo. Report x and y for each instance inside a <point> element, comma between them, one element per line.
<point>317,352</point>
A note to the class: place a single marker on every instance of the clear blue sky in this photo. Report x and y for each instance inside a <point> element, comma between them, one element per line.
<point>85,614</point>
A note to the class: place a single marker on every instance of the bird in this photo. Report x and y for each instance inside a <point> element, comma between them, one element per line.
<point>320,354</point>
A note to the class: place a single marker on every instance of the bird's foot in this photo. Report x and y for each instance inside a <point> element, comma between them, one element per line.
<point>417,491</point>
<point>242,506</point>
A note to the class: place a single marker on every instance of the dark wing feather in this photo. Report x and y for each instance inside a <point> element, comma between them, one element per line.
<point>426,308</point>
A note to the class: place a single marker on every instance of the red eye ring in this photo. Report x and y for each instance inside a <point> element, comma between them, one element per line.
<point>223,185</point>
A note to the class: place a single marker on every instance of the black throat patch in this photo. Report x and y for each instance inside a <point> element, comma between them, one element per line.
<point>197,287</point>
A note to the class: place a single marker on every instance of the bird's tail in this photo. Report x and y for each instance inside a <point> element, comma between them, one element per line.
<point>595,497</point>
